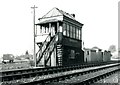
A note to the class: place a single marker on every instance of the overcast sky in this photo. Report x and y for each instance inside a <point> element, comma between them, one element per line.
<point>100,19</point>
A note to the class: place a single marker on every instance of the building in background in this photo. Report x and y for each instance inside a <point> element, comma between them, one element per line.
<point>107,55</point>
<point>89,55</point>
<point>95,54</point>
<point>99,55</point>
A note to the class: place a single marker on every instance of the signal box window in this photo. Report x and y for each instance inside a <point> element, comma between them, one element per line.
<point>77,33</point>
<point>73,32</point>
<point>68,30</point>
<point>65,29</point>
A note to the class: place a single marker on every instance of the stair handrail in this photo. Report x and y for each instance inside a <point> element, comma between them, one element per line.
<point>45,51</point>
<point>46,40</point>
<point>44,44</point>
<point>56,35</point>
<point>51,46</point>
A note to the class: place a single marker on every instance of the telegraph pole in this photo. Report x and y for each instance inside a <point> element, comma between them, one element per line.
<point>34,33</point>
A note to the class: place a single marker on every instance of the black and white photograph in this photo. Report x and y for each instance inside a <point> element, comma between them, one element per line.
<point>59,42</point>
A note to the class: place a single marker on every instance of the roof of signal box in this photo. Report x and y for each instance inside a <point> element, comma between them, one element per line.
<point>55,15</point>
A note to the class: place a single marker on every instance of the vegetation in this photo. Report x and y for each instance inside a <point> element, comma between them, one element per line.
<point>112,48</point>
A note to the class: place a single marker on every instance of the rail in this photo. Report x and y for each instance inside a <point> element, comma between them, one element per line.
<point>8,75</point>
<point>62,76</point>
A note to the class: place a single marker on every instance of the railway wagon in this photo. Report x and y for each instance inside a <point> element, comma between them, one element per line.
<point>8,58</point>
<point>96,55</point>
<point>59,38</point>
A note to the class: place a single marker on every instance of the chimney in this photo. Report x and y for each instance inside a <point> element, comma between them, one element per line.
<point>73,15</point>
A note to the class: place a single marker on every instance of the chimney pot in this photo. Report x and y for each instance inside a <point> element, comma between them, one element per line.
<point>73,15</point>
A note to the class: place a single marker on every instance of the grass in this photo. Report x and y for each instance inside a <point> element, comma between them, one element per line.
<point>16,65</point>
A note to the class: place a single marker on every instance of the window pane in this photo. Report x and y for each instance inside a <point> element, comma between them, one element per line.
<point>87,52</point>
<point>65,29</point>
<point>79,34</point>
<point>61,29</point>
<point>68,33</point>
<point>43,29</point>
<point>47,30</point>
<point>71,31</point>
<point>76,32</point>
<point>52,30</point>
<point>40,29</point>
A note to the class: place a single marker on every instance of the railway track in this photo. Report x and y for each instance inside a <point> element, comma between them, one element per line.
<point>62,76</point>
<point>90,77</point>
<point>27,73</point>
